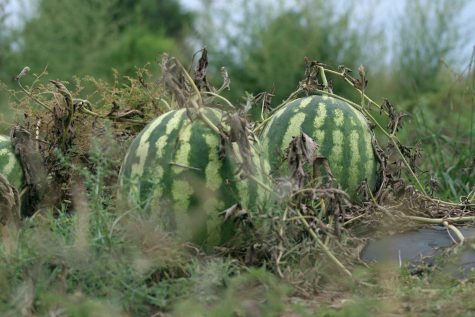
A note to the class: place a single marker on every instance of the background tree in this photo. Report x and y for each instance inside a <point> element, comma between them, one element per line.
<point>92,36</point>
<point>148,28</point>
<point>4,38</point>
<point>69,37</point>
<point>267,53</point>
<point>158,16</point>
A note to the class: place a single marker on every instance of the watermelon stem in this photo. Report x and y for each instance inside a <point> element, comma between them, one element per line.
<point>324,80</point>
<point>438,221</point>
<point>210,124</point>
<point>456,231</point>
<point>446,222</point>
<point>198,105</point>
<point>228,103</point>
<point>281,246</point>
<point>98,115</point>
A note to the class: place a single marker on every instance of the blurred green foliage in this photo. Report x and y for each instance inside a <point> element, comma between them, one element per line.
<point>77,38</point>
<point>157,16</point>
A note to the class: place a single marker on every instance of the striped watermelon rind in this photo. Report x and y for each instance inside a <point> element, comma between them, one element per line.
<point>341,132</point>
<point>10,165</point>
<point>175,163</point>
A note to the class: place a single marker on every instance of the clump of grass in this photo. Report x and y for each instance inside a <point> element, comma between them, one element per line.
<point>253,293</point>
<point>89,260</point>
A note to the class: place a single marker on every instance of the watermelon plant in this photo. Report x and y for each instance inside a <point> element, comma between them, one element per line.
<point>10,166</point>
<point>179,166</point>
<point>341,132</point>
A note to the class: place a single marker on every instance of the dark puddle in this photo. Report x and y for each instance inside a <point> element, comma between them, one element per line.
<point>424,246</point>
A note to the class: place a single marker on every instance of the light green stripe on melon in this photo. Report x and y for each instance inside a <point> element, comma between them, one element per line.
<point>370,164</point>
<point>321,115</point>
<point>213,182</point>
<point>354,169</point>
<point>137,169</point>
<point>261,172</point>
<point>183,152</point>
<point>303,103</point>
<point>359,115</point>
<point>213,221</point>
<point>319,138</point>
<point>319,121</point>
<point>160,145</point>
<point>338,117</point>
<point>242,185</point>
<point>265,143</point>
<point>336,154</point>
<point>213,179</point>
<point>293,129</point>
<point>182,190</point>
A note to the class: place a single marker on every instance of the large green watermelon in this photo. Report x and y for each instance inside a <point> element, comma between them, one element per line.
<point>174,166</point>
<point>10,166</point>
<point>340,131</point>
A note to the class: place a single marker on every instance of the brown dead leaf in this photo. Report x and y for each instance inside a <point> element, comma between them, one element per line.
<point>301,151</point>
<point>239,133</point>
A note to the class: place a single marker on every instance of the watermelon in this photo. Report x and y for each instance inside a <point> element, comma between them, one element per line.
<point>10,166</point>
<point>341,132</point>
<point>175,167</point>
